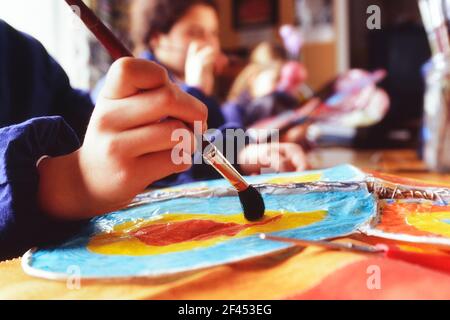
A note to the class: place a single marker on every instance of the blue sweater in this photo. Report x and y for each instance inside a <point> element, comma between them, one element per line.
<point>33,86</point>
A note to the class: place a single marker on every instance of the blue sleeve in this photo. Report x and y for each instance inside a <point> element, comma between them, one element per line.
<point>215,115</point>
<point>234,112</point>
<point>33,84</point>
<point>22,224</point>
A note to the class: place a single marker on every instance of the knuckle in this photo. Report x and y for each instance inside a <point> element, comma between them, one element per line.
<point>161,72</point>
<point>123,176</point>
<point>122,67</point>
<point>103,120</point>
<point>167,96</point>
<point>114,148</point>
<point>156,69</point>
<point>177,125</point>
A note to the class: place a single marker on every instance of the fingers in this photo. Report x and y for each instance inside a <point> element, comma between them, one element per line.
<point>285,157</point>
<point>294,153</point>
<point>153,106</point>
<point>192,49</point>
<point>128,76</point>
<point>158,137</point>
<point>166,166</point>
<point>281,164</point>
<point>296,134</point>
<point>204,55</point>
<point>207,55</point>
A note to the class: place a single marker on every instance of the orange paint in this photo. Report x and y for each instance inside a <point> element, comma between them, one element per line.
<point>407,181</point>
<point>417,219</point>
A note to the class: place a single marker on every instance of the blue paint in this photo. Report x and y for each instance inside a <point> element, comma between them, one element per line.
<point>347,210</point>
<point>343,173</point>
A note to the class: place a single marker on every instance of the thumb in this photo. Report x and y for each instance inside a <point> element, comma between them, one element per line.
<point>129,76</point>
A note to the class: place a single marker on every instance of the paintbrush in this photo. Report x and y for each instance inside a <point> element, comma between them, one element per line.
<point>440,262</point>
<point>433,17</point>
<point>250,198</point>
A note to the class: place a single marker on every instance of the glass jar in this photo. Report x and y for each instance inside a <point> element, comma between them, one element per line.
<point>436,133</point>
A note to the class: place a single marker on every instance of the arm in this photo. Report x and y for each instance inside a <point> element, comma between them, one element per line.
<point>22,223</point>
<point>127,146</point>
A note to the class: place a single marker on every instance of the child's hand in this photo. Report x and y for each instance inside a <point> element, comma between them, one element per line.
<point>128,144</point>
<point>272,157</point>
<point>199,69</point>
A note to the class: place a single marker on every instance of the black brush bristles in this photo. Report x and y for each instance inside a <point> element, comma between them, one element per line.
<point>252,203</point>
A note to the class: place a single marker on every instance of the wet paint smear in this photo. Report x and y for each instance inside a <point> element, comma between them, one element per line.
<point>188,233</point>
<point>423,218</point>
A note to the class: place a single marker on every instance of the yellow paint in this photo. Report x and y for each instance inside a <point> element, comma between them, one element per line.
<point>430,222</point>
<point>196,189</point>
<point>426,250</point>
<point>305,178</point>
<point>121,242</point>
<point>296,179</point>
<point>409,248</point>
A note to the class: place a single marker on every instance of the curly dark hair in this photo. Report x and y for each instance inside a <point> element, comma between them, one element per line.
<point>151,17</point>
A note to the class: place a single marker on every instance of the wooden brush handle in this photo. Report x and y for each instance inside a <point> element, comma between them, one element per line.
<point>115,48</point>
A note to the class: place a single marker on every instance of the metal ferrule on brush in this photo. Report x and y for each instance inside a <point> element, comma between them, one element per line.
<point>216,159</point>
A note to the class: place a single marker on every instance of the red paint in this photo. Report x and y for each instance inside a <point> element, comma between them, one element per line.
<point>191,230</point>
<point>399,280</point>
<point>393,218</point>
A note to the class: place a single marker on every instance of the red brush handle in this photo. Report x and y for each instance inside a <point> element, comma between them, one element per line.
<point>432,261</point>
<point>115,48</point>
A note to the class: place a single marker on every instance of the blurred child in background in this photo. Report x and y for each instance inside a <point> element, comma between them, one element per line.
<point>269,85</point>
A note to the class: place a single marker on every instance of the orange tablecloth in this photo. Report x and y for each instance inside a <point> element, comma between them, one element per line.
<point>310,274</point>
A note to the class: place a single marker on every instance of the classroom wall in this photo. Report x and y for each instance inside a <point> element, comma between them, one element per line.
<point>233,39</point>
<point>321,58</point>
<point>321,61</point>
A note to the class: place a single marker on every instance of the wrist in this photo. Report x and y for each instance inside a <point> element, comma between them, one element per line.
<point>61,192</point>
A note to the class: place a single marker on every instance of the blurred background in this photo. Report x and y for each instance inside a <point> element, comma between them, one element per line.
<point>335,39</point>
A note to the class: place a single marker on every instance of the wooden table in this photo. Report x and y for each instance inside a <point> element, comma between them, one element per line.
<point>403,163</point>
<point>274,277</point>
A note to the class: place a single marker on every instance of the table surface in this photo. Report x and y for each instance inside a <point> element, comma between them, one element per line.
<point>292,273</point>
